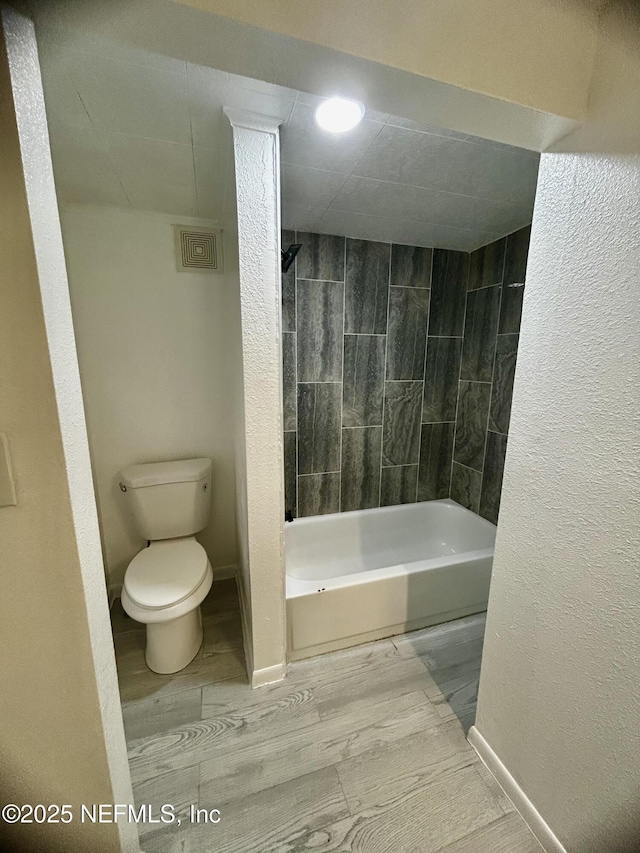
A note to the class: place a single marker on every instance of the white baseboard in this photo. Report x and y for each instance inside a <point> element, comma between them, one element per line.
<point>246,628</point>
<point>268,675</point>
<point>523,804</point>
<point>115,591</point>
<point>223,573</point>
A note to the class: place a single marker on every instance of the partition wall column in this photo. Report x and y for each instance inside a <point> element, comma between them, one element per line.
<point>260,486</point>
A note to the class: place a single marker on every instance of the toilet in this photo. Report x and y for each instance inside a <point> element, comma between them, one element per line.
<point>167,581</point>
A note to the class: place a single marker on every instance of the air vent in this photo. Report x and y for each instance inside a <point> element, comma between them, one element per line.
<point>198,249</point>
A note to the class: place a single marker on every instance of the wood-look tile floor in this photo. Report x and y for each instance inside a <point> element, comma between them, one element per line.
<point>362,750</point>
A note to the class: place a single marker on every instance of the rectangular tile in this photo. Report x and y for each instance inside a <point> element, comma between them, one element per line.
<point>515,264</point>
<point>156,714</point>
<point>137,681</point>
<point>320,322</point>
<point>407,332</point>
<point>399,485</point>
<point>436,456</point>
<point>425,817</point>
<point>321,257</point>
<point>441,379</point>
<point>503,376</point>
<point>358,691</point>
<point>381,775</point>
<point>363,381</point>
<point>507,834</point>
<point>427,642</point>
<point>222,632</point>
<point>360,472</point>
<point>318,427</point>
<point>511,308</point>
<point>367,287</point>
<point>486,265</point>
<point>448,292</point>
<point>471,424</point>
<point>402,411</point>
<point>288,288</point>
<point>465,486</point>
<point>290,464</point>
<point>289,380</point>
<point>480,329</point>
<point>513,285</point>
<point>411,266</point>
<point>271,761</point>
<point>180,788</point>
<point>273,819</point>
<point>318,494</point>
<point>492,477</point>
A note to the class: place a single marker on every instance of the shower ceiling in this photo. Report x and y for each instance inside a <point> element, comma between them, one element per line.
<point>139,130</point>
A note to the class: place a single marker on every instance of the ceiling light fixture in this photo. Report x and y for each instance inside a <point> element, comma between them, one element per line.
<point>337,115</point>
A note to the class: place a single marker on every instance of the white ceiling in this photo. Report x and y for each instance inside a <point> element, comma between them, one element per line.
<point>136,129</point>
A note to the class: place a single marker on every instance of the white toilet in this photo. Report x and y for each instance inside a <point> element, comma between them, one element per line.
<point>166,582</point>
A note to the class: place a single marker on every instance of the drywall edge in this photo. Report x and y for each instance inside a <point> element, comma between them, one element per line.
<point>47,237</point>
<point>514,792</point>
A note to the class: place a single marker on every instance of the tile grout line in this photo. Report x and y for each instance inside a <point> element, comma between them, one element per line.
<point>493,373</point>
<point>464,322</point>
<point>344,318</point>
<point>424,377</point>
<point>384,372</point>
<point>295,312</point>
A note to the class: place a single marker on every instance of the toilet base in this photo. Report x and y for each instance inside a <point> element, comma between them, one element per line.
<point>172,645</point>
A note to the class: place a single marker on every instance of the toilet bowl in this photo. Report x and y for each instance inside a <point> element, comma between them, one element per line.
<point>164,586</point>
<point>166,582</point>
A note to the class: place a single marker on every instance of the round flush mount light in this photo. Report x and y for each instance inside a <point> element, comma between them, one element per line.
<point>337,115</point>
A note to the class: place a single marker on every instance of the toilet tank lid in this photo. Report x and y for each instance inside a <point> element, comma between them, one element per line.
<point>159,473</point>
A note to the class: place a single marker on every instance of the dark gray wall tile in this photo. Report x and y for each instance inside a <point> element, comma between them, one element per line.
<point>480,329</point>
<point>318,494</point>
<point>511,308</point>
<point>465,487</point>
<point>486,265</point>
<point>506,355</point>
<point>441,379</point>
<point>398,485</point>
<point>436,455</point>
<point>363,390</point>
<point>320,322</point>
<point>319,427</point>
<point>411,266</point>
<point>290,497</point>
<point>492,478</point>
<point>515,265</point>
<point>513,286</point>
<point>407,332</point>
<point>367,287</point>
<point>360,472</point>
<point>448,291</point>
<point>289,288</point>
<point>402,410</point>
<point>321,257</point>
<point>471,424</point>
<point>289,380</point>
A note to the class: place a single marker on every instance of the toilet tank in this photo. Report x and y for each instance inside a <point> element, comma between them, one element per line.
<point>168,499</point>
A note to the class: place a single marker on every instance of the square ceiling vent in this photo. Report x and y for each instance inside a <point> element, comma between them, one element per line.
<point>198,249</point>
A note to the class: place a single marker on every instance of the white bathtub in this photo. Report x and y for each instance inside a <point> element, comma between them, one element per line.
<point>359,576</point>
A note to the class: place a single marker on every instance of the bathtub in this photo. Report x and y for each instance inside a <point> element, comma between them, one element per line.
<point>359,576</point>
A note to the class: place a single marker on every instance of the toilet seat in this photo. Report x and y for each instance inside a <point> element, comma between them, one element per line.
<point>166,573</point>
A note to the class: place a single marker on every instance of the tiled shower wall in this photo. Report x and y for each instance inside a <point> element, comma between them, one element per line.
<point>375,337</point>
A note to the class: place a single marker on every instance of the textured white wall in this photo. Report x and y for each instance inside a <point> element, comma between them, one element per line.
<point>153,346</point>
<point>560,687</point>
<point>62,735</point>
<point>257,171</point>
